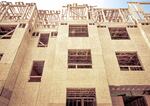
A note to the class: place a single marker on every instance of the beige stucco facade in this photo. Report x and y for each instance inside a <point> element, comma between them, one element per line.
<point>21,50</point>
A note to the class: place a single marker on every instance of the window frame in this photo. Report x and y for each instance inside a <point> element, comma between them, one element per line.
<point>36,78</point>
<point>54,34</point>
<point>1,56</point>
<point>130,67</point>
<point>82,58</point>
<point>10,33</point>
<point>112,31</point>
<point>22,25</point>
<point>82,96</point>
<point>35,34</point>
<point>42,44</point>
<point>78,30</point>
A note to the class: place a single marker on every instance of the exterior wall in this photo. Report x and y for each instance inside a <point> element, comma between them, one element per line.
<point>145,33</point>
<point>56,76</point>
<point>136,43</point>
<point>14,50</point>
<point>21,50</point>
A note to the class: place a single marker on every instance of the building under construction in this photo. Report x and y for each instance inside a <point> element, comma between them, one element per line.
<point>79,56</point>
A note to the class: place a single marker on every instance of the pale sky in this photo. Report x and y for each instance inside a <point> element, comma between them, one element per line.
<point>57,4</point>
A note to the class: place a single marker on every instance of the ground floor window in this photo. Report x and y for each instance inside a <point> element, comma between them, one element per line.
<point>134,101</point>
<point>81,97</point>
<point>130,95</point>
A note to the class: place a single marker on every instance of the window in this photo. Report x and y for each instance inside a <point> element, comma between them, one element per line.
<point>54,34</point>
<point>1,55</point>
<point>91,23</point>
<point>132,26</point>
<point>79,58</point>
<point>134,101</point>
<point>78,31</point>
<point>118,33</point>
<point>63,23</point>
<point>81,97</point>
<point>129,95</point>
<point>128,61</point>
<point>101,26</point>
<point>146,92</point>
<point>36,72</point>
<point>35,34</point>
<point>22,25</point>
<point>6,31</point>
<point>145,23</point>
<point>43,40</point>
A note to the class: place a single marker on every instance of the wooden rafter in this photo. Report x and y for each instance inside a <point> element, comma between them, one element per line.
<point>51,18</point>
<point>17,11</point>
<point>75,11</point>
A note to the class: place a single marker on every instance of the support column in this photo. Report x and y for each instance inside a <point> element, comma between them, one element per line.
<point>147,99</point>
<point>117,101</point>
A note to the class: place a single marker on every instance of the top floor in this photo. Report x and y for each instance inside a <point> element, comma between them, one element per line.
<point>28,12</point>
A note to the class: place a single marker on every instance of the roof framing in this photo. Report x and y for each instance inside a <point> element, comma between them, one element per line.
<point>20,11</point>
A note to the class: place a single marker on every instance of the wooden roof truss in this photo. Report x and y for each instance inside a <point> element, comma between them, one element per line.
<point>138,12</point>
<point>20,11</point>
<point>17,11</point>
<point>48,18</point>
<point>75,11</point>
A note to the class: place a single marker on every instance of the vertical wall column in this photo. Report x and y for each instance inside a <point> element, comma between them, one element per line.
<point>117,101</point>
<point>145,34</point>
<point>20,40</point>
<point>147,98</point>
